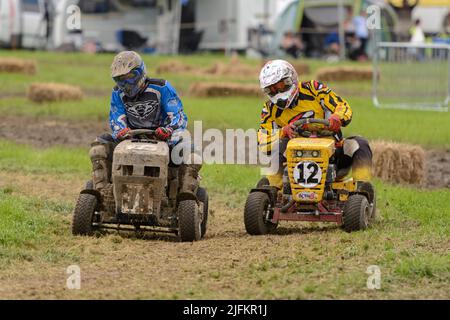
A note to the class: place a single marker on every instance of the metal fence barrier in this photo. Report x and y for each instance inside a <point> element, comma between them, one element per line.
<point>411,76</point>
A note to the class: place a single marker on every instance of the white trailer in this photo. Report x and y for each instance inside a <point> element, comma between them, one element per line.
<point>226,24</point>
<point>22,23</point>
<point>103,27</point>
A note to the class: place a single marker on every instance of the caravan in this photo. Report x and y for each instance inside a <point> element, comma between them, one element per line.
<point>24,23</point>
<point>42,24</point>
<point>34,24</point>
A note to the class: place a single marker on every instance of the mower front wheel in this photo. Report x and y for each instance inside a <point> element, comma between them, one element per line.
<point>189,221</point>
<point>83,215</point>
<point>256,214</point>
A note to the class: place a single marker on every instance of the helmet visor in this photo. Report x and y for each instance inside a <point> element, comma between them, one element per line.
<point>129,82</point>
<point>129,78</point>
<point>281,86</point>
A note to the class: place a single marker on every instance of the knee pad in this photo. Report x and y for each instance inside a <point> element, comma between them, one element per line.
<point>98,151</point>
<point>276,180</point>
<point>350,146</point>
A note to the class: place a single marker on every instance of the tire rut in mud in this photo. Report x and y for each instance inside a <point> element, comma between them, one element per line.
<point>48,132</point>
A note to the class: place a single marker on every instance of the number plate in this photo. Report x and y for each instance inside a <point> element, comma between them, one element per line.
<point>136,200</point>
<point>308,174</point>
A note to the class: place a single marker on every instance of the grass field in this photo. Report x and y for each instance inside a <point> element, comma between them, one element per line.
<point>39,186</point>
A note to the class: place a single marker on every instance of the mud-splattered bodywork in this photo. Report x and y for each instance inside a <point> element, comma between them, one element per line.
<point>139,176</point>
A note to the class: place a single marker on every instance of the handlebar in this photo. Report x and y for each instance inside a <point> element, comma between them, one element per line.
<point>306,132</point>
<point>137,132</point>
<point>301,122</point>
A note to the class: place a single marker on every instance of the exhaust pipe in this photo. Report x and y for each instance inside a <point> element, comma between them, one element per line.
<point>288,205</point>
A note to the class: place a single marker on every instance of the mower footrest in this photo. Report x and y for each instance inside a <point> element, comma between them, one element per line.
<point>307,216</point>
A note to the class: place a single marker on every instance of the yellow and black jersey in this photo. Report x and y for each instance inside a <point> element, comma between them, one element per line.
<point>315,100</point>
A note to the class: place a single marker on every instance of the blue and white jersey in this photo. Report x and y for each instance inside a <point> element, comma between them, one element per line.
<point>157,106</point>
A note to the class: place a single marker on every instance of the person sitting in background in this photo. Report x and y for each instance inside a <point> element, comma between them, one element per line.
<point>291,44</point>
<point>332,46</point>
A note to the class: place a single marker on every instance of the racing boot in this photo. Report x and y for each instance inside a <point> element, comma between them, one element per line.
<point>189,178</point>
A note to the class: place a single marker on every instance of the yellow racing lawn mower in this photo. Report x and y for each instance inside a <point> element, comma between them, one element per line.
<point>313,188</point>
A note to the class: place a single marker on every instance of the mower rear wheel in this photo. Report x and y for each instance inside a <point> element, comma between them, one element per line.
<point>356,213</point>
<point>255,214</point>
<point>189,222</point>
<point>263,182</point>
<point>83,215</point>
<point>203,197</point>
<point>368,188</point>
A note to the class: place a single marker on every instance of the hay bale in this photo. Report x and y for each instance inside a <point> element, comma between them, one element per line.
<point>43,92</point>
<point>398,163</point>
<point>344,74</point>
<point>174,66</point>
<point>234,69</point>
<point>16,65</point>
<point>300,67</point>
<point>200,89</point>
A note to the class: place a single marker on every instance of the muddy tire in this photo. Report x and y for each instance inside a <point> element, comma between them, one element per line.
<point>356,213</point>
<point>262,182</point>
<point>373,212</point>
<point>368,188</point>
<point>203,197</point>
<point>189,223</point>
<point>255,214</point>
<point>83,215</point>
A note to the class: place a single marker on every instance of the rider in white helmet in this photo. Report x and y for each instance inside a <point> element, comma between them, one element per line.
<point>289,100</point>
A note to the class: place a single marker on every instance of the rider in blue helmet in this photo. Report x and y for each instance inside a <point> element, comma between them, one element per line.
<point>139,102</point>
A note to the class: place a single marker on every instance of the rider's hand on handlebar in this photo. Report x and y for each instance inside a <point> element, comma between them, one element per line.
<point>289,131</point>
<point>163,133</point>
<point>335,123</point>
<point>123,133</point>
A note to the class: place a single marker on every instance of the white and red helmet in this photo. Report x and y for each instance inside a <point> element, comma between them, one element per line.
<point>279,81</point>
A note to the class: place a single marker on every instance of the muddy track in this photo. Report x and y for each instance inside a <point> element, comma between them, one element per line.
<point>48,132</point>
<point>227,264</point>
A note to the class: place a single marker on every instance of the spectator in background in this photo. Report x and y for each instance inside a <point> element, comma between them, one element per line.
<point>416,32</point>
<point>291,44</point>
<point>417,37</point>
<point>361,34</point>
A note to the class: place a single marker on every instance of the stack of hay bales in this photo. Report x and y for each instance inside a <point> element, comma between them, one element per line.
<point>53,92</point>
<point>15,65</point>
<point>344,74</point>
<point>398,163</point>
<point>201,89</point>
<point>174,66</point>
<point>234,69</point>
